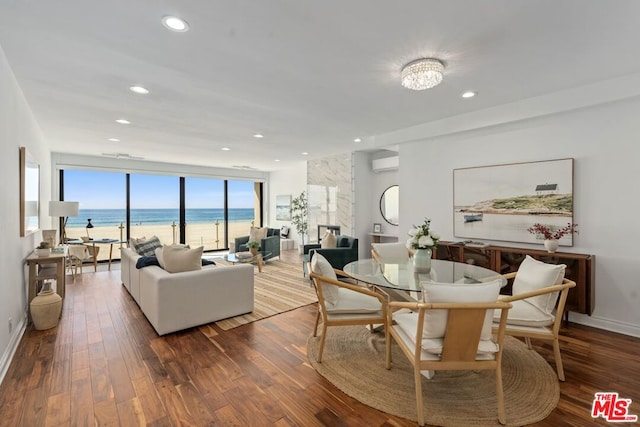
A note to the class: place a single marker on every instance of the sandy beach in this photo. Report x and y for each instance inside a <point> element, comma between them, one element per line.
<point>199,234</point>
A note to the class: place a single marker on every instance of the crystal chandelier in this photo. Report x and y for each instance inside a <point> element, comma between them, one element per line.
<point>422,74</point>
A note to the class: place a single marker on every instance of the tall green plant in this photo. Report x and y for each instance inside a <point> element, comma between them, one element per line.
<point>299,214</point>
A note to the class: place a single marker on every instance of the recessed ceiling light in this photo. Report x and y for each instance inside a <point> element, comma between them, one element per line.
<point>176,24</point>
<point>468,94</point>
<point>123,122</point>
<point>258,135</point>
<point>114,140</point>
<point>357,140</point>
<point>226,149</point>
<point>276,160</point>
<point>139,89</point>
<point>304,153</point>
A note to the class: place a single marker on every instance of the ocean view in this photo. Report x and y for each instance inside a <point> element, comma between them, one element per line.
<point>113,217</point>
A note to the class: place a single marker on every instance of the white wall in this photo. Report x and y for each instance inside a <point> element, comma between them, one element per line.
<point>603,141</point>
<point>368,188</point>
<point>291,181</point>
<point>17,128</point>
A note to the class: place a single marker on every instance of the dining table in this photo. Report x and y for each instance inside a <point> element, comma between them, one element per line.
<point>401,276</point>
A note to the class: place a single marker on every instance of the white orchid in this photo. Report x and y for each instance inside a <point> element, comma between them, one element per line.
<point>421,236</point>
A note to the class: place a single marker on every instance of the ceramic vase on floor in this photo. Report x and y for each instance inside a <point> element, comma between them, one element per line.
<point>422,261</point>
<point>551,245</point>
<point>45,308</point>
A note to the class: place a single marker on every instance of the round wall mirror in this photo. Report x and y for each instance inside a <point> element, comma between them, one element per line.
<point>390,205</point>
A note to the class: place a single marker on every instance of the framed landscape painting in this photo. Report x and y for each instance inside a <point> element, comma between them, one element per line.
<point>501,202</point>
<point>283,208</point>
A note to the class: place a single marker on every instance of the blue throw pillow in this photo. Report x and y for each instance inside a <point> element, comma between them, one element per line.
<point>146,261</point>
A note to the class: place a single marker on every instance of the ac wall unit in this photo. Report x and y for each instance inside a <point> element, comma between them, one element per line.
<point>385,164</point>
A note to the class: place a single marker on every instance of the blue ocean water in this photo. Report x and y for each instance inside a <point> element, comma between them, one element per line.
<point>111,217</point>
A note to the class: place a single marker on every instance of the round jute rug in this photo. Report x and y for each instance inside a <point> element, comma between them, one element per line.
<point>353,361</point>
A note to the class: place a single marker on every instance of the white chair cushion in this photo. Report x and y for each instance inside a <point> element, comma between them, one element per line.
<point>329,241</point>
<point>393,253</point>
<point>321,267</point>
<point>533,275</point>
<point>523,313</point>
<point>178,259</point>
<point>408,323</point>
<point>435,321</point>
<point>350,302</point>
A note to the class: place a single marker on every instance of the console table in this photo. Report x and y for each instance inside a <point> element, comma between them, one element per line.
<point>580,267</point>
<point>45,268</point>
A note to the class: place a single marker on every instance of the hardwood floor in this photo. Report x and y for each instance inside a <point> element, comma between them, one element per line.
<point>105,365</point>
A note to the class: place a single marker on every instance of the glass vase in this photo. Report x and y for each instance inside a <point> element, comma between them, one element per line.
<point>422,261</point>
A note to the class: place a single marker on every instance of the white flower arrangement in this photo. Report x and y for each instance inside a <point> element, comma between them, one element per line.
<point>421,236</point>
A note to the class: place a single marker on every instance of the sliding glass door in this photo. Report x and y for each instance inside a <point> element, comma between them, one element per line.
<point>155,207</point>
<point>204,211</point>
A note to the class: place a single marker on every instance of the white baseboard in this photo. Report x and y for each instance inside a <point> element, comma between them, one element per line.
<point>7,357</point>
<point>606,324</point>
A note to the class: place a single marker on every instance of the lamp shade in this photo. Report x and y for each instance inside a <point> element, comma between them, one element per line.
<point>63,209</point>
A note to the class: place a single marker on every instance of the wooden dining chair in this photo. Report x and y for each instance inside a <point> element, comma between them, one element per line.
<point>452,331</point>
<point>539,297</point>
<point>92,256</point>
<point>344,304</point>
<point>390,252</point>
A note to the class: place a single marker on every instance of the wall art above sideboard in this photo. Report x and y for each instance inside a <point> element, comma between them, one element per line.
<point>500,202</point>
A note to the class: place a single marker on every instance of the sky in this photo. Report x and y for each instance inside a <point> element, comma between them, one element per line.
<point>106,190</point>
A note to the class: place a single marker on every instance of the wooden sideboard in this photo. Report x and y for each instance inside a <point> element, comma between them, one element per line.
<point>580,267</point>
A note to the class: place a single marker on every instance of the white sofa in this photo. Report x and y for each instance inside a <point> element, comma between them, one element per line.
<point>176,301</point>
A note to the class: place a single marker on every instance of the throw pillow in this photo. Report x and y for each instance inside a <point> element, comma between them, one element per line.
<point>284,231</point>
<point>158,251</point>
<point>146,261</point>
<point>329,240</point>
<point>178,259</point>
<point>343,242</point>
<point>208,262</point>
<point>147,247</point>
<point>533,275</point>
<point>321,267</point>
<point>258,233</point>
<point>435,321</point>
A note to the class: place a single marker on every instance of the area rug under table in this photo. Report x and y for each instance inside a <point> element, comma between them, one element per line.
<point>279,288</point>
<point>353,360</point>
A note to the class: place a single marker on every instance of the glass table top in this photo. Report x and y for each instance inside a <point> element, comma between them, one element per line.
<point>233,258</point>
<point>402,277</point>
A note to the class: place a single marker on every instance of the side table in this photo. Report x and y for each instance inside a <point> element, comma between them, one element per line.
<point>40,269</point>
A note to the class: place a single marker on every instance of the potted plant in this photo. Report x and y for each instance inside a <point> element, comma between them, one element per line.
<point>43,249</point>
<point>422,240</point>
<point>299,216</point>
<point>253,246</point>
<point>551,235</point>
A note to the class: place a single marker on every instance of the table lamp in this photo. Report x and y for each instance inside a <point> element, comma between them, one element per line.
<point>89,225</point>
<point>63,209</point>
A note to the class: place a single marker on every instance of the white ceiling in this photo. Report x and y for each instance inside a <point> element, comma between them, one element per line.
<point>309,75</point>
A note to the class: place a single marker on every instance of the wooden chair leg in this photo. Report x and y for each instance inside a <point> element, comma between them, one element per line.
<point>322,338</point>
<point>527,340</point>
<point>315,327</point>
<point>387,337</point>
<point>419,404</point>
<point>558,357</point>
<point>502,418</point>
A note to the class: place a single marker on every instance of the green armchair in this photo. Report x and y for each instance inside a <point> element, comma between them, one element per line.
<point>270,244</point>
<point>345,252</point>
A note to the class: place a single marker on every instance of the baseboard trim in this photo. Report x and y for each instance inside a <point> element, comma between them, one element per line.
<point>606,324</point>
<point>7,357</point>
